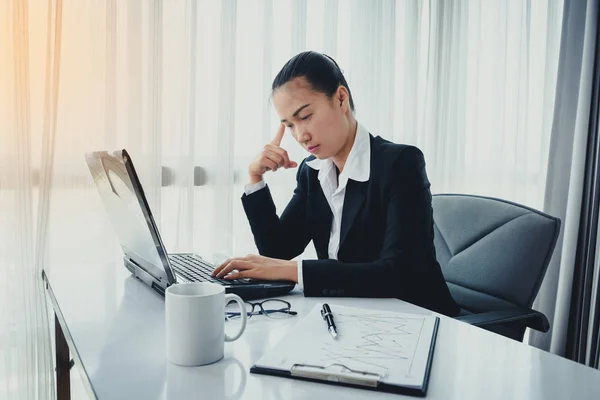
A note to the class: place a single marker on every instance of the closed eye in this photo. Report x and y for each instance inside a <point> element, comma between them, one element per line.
<point>305,118</point>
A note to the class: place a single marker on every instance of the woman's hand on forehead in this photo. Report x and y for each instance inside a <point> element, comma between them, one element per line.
<point>271,158</point>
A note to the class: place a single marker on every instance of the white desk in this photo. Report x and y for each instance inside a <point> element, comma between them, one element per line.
<point>114,327</point>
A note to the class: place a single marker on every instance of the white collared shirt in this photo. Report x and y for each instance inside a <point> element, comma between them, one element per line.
<point>357,168</point>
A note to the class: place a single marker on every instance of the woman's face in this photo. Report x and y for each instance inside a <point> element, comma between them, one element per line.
<point>317,122</point>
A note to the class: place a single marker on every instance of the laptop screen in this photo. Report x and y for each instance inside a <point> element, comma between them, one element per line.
<point>131,224</point>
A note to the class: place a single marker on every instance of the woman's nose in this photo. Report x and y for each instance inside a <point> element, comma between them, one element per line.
<point>303,135</point>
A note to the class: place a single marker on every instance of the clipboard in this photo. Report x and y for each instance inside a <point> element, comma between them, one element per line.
<point>338,373</point>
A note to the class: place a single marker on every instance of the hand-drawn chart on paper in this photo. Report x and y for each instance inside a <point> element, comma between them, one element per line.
<point>394,346</point>
<point>373,341</point>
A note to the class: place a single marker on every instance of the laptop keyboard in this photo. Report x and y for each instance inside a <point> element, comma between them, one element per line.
<point>194,269</point>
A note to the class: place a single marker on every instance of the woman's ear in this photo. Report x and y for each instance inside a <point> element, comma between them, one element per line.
<point>343,97</point>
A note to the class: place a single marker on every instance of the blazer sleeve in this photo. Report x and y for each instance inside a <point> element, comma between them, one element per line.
<point>406,255</point>
<point>282,237</point>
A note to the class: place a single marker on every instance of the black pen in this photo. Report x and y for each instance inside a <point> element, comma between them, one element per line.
<point>328,316</point>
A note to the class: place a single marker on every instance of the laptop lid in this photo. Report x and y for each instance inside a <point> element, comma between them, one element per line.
<point>129,213</point>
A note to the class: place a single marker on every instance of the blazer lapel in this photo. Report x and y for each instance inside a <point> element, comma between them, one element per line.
<point>321,217</point>
<point>353,201</point>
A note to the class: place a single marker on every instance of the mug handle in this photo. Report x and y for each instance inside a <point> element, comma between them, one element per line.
<point>229,297</point>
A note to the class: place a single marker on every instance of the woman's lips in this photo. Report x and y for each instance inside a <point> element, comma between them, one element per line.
<point>312,149</point>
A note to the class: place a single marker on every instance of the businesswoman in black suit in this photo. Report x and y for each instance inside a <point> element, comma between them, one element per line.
<point>364,201</point>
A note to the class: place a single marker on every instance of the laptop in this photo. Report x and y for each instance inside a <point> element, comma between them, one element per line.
<point>145,254</point>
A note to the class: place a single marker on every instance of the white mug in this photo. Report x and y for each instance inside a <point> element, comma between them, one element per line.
<point>195,322</point>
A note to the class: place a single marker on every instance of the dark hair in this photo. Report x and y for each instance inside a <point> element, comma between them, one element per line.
<point>320,71</point>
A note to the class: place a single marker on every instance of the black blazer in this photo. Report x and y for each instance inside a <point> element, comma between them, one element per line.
<point>386,239</point>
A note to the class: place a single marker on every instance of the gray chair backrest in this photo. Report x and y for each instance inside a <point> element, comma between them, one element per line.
<point>493,253</point>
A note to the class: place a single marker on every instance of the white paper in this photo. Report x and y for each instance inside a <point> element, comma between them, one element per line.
<point>393,345</point>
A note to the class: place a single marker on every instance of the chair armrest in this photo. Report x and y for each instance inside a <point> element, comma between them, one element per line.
<point>530,318</point>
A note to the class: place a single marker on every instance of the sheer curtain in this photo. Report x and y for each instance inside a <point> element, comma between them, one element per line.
<point>26,113</point>
<point>184,86</point>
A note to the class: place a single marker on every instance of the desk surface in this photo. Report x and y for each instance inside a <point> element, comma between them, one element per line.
<point>115,329</point>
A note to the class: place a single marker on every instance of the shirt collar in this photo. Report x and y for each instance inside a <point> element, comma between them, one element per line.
<point>358,163</point>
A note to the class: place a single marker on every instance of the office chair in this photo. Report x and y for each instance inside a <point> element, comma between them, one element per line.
<point>494,255</point>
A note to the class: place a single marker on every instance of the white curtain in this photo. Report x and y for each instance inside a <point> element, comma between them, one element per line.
<point>184,86</point>
<point>27,53</point>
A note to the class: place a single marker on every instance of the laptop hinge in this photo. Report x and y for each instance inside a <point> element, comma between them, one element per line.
<point>140,273</point>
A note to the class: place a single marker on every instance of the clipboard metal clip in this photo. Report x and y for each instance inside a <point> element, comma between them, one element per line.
<point>345,375</point>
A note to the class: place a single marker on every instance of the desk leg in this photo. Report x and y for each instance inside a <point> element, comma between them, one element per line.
<point>63,377</point>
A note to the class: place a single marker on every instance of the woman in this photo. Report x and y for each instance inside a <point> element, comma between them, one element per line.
<point>364,201</point>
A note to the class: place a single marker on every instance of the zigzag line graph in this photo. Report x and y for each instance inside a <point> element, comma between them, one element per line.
<point>374,341</point>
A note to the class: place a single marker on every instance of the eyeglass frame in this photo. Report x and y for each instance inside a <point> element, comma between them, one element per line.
<point>262,311</point>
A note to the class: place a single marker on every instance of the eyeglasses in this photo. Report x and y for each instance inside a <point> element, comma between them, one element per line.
<point>272,308</point>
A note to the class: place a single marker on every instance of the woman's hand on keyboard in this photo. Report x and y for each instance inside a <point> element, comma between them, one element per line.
<point>257,267</point>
